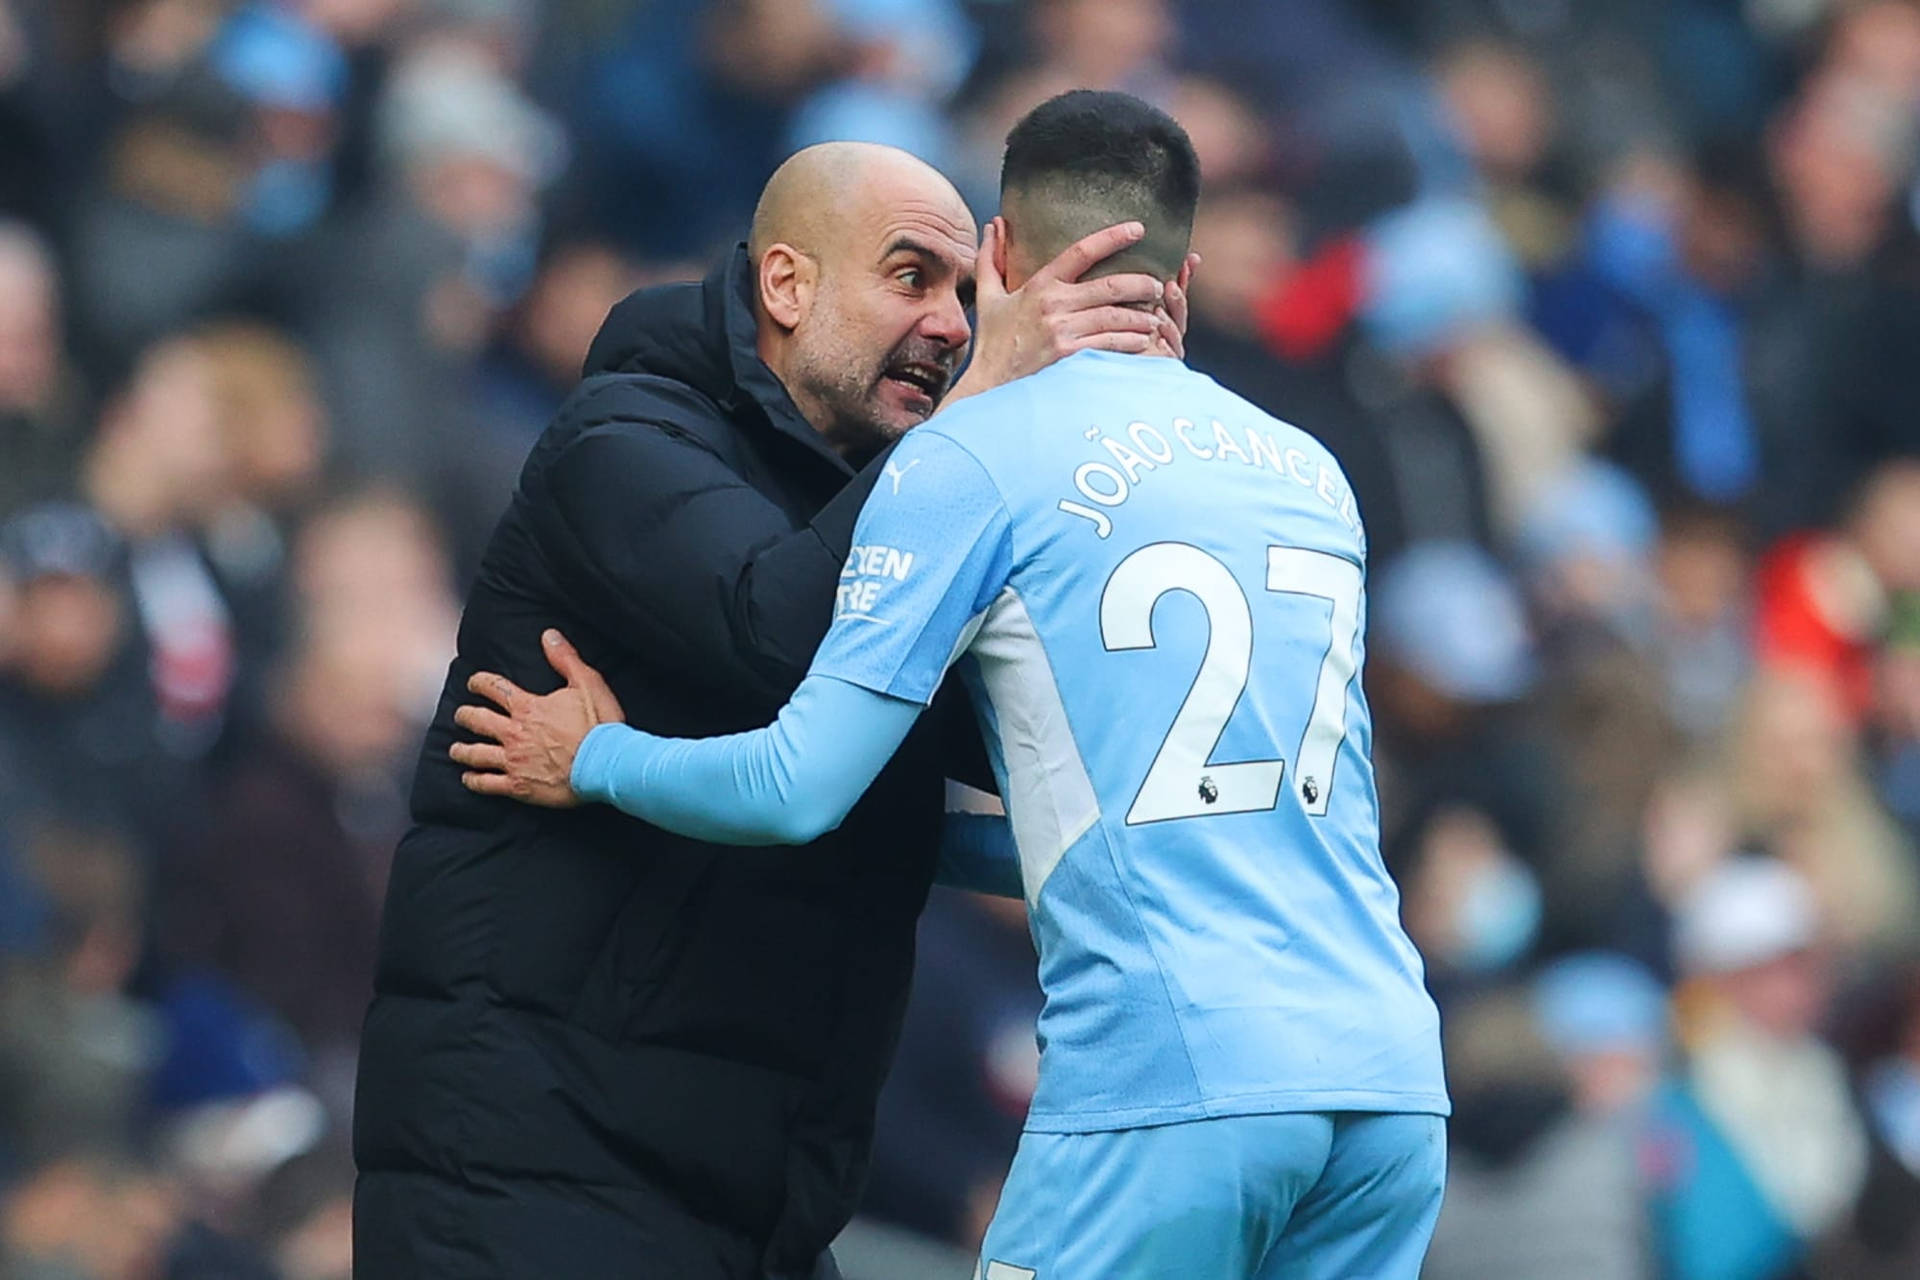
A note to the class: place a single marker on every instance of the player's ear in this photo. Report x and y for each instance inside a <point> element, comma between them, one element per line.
<point>786,284</point>
<point>1000,247</point>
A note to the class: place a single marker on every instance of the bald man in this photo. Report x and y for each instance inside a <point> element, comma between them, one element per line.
<point>599,1050</point>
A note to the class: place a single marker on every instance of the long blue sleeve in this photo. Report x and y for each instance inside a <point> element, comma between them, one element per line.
<point>789,783</point>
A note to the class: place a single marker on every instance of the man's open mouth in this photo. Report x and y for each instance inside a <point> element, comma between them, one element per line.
<point>923,376</point>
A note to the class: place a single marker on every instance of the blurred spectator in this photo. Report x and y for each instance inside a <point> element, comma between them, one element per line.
<point>157,464</point>
<point>1749,939</point>
<point>1100,45</point>
<point>531,366</point>
<point>273,433</point>
<point>79,736</point>
<point>156,471</point>
<point>40,429</point>
<point>1398,324</point>
<point>228,1107</point>
<point>685,112</point>
<point>1478,796</point>
<point>74,1049</point>
<point>1229,137</point>
<point>1703,622</point>
<point>272,425</point>
<point>1803,797</point>
<point>1501,106</point>
<point>93,1216</point>
<point>293,78</point>
<point>306,1214</point>
<point>501,32</point>
<point>1883,1036</point>
<point>1075,44</point>
<point>1587,545</point>
<point>404,293</point>
<point>1605,1018</point>
<point>1823,596</point>
<point>1686,830</point>
<point>1436,286</point>
<point>1662,288</point>
<point>1838,156</point>
<point>1471,905</point>
<point>372,567</point>
<point>1451,634</point>
<point>1527,414</point>
<point>908,58</point>
<point>159,237</point>
<point>1543,1175</point>
<point>356,22</point>
<point>1587,542</point>
<point>89,1218</point>
<point>100,59</point>
<point>537,360</point>
<point>1351,117</point>
<point>282,895</point>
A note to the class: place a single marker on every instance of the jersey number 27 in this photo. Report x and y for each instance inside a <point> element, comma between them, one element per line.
<point>1180,783</point>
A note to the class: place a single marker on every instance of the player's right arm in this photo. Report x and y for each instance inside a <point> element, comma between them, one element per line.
<point>790,783</point>
<point>785,784</point>
<point>930,560</point>
<point>933,547</point>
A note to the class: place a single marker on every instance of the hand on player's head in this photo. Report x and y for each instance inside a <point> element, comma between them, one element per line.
<point>529,743</point>
<point>1055,313</point>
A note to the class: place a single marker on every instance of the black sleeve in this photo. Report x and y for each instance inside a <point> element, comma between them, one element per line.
<point>653,532</point>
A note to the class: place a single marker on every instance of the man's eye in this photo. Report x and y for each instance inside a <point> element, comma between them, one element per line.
<point>912,277</point>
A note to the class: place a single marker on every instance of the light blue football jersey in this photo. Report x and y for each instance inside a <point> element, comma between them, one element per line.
<point>1155,593</point>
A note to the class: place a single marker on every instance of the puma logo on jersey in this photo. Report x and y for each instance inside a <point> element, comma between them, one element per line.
<point>897,473</point>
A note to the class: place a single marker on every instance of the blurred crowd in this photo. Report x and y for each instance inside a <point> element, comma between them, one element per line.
<point>1611,311</point>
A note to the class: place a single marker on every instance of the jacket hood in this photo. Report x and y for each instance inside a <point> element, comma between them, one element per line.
<point>703,334</point>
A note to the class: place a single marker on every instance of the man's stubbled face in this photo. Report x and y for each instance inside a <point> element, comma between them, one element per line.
<point>887,330</point>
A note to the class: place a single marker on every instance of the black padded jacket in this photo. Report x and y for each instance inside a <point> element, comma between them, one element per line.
<point>597,1049</point>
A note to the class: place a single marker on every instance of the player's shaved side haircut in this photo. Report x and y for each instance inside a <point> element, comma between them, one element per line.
<point>1088,159</point>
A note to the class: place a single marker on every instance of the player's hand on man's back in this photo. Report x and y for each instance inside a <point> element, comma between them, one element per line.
<point>532,739</point>
<point>1055,313</point>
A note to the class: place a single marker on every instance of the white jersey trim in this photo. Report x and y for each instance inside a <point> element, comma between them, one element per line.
<point>1051,801</point>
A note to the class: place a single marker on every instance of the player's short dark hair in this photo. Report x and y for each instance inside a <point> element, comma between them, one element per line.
<point>1088,159</point>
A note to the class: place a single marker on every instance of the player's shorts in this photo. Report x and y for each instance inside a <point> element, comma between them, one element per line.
<point>1314,1196</point>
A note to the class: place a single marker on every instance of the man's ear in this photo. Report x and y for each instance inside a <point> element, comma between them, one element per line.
<point>1000,246</point>
<point>787,278</point>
